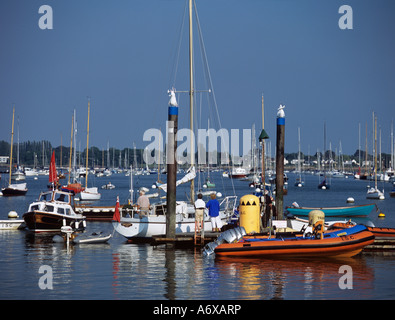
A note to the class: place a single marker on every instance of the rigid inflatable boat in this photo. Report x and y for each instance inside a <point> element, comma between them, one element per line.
<point>341,243</point>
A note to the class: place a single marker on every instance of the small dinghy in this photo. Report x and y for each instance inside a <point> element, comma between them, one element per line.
<point>92,238</point>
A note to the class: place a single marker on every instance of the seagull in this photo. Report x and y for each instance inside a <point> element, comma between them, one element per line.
<point>280,111</point>
<point>173,100</point>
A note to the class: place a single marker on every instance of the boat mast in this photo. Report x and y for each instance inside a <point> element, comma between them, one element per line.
<point>375,152</point>
<point>87,146</point>
<point>191,94</point>
<point>262,138</point>
<point>263,150</point>
<point>75,146</point>
<point>12,142</point>
<point>71,146</point>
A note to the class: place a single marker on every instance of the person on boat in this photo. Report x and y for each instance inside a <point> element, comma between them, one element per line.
<point>143,204</point>
<point>213,211</point>
<point>199,212</point>
<point>269,209</point>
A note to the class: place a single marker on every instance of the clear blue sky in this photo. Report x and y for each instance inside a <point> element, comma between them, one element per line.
<point>121,54</point>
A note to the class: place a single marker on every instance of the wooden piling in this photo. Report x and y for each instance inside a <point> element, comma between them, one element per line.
<point>280,162</point>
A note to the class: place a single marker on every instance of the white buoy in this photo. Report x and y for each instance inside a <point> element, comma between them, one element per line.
<point>323,188</point>
<point>13,215</point>
<point>350,200</point>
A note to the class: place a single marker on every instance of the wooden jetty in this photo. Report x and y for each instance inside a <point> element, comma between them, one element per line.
<point>381,245</point>
<point>186,240</point>
<point>191,240</point>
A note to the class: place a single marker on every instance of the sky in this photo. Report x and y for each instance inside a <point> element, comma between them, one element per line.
<point>122,54</point>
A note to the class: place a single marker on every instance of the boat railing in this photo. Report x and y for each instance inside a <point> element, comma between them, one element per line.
<point>229,204</point>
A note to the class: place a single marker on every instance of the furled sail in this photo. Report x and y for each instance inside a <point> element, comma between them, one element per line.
<point>191,174</point>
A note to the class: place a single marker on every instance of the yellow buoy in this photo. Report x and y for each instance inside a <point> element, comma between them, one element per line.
<point>381,215</point>
<point>250,213</point>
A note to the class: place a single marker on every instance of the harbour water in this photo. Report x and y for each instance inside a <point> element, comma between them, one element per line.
<point>118,270</point>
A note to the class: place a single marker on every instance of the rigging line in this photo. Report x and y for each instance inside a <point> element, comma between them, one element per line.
<point>177,55</point>
<point>209,76</point>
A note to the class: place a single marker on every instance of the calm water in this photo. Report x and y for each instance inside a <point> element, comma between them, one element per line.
<point>118,270</point>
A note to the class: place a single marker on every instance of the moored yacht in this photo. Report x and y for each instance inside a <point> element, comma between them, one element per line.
<point>51,211</point>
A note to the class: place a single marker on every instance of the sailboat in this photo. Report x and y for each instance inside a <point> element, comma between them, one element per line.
<point>74,187</point>
<point>374,192</point>
<point>299,182</point>
<point>208,183</point>
<point>92,192</point>
<point>154,223</point>
<point>324,185</point>
<point>18,174</point>
<point>15,189</point>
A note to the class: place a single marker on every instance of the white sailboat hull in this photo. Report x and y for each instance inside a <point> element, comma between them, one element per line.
<point>374,193</point>
<point>150,226</point>
<point>90,194</point>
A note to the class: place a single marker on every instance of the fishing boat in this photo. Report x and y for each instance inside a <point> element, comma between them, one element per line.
<point>51,211</point>
<point>348,211</point>
<point>15,189</point>
<point>341,243</point>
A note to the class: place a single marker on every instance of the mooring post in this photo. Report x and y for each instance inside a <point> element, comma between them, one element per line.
<point>172,126</point>
<point>280,162</point>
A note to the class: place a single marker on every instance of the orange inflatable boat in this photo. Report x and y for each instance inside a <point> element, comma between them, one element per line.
<point>341,243</point>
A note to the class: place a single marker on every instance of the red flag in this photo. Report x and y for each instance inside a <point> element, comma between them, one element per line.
<point>53,175</point>
<point>117,216</point>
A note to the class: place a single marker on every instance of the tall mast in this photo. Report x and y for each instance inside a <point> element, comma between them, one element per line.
<point>191,93</point>
<point>262,138</point>
<point>263,150</point>
<point>12,142</point>
<point>71,146</point>
<point>375,152</point>
<point>87,146</point>
<point>75,146</point>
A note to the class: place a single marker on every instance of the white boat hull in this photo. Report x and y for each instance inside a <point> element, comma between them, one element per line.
<point>90,194</point>
<point>149,226</point>
<point>374,193</point>
<point>12,224</point>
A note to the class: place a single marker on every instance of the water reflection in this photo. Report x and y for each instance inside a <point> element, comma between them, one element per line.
<point>296,279</point>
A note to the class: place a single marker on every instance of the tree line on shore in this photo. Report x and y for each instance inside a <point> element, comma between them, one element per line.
<point>38,153</point>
